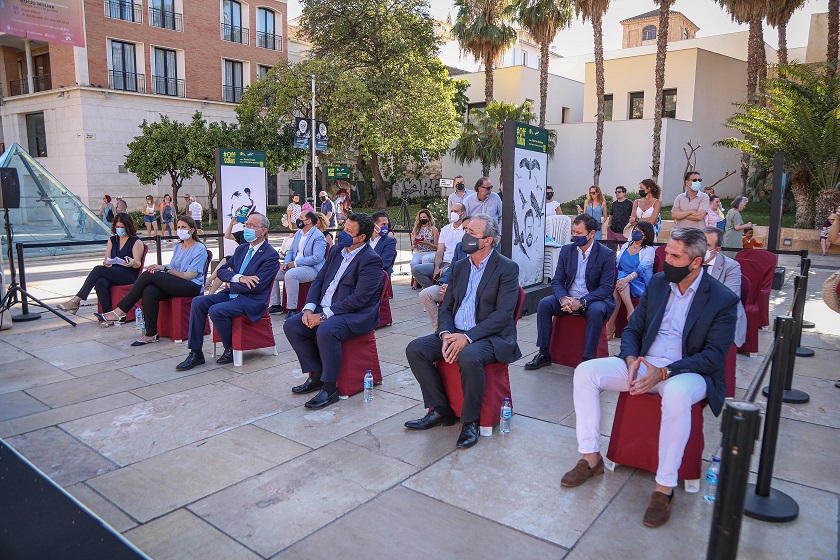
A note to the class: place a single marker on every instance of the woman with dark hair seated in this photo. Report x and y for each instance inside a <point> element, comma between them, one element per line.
<point>182,277</point>
<point>635,269</point>
<point>123,259</point>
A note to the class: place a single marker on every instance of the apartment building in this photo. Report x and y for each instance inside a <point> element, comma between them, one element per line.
<point>76,108</point>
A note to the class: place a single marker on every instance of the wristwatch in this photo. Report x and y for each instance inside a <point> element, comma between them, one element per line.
<point>166,269</point>
<point>582,304</point>
<point>666,372</point>
<point>322,317</point>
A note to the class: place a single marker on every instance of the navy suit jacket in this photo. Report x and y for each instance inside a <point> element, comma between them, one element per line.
<point>359,290</point>
<point>496,297</point>
<point>264,264</point>
<point>600,274</point>
<point>386,248</point>
<point>707,335</point>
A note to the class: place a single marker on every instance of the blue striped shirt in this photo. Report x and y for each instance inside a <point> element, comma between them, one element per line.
<point>465,316</point>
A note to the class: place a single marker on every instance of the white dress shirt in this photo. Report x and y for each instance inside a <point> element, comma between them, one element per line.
<point>375,240</point>
<point>302,244</point>
<point>326,299</point>
<point>578,288</point>
<point>667,347</point>
<point>236,277</point>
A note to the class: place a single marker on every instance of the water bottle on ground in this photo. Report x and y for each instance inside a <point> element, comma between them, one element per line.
<point>711,483</point>
<point>504,416</point>
<point>368,386</point>
<point>139,321</point>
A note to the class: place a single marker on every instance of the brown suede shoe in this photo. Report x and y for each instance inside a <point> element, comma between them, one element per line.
<point>658,511</point>
<point>581,472</point>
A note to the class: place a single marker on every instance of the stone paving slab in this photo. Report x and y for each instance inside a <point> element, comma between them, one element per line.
<point>108,512</point>
<point>197,379</point>
<point>17,404</point>
<point>83,389</point>
<point>28,373</point>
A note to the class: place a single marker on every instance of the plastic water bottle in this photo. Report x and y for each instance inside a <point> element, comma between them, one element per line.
<point>711,484</point>
<point>139,321</point>
<point>504,416</point>
<point>368,386</point>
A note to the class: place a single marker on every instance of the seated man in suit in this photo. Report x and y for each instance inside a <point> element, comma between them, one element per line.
<point>583,285</point>
<point>727,271</point>
<point>675,345</point>
<point>301,264</point>
<point>343,303</point>
<point>384,245</point>
<point>476,327</point>
<point>250,273</point>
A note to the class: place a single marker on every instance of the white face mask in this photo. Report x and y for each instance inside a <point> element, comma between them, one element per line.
<point>709,256</point>
<point>696,186</point>
<point>454,217</point>
<point>184,234</point>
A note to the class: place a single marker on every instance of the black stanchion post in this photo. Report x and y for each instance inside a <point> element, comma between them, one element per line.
<point>24,303</point>
<point>740,426</point>
<point>799,317</point>
<point>804,266</point>
<point>159,250</point>
<point>791,395</point>
<point>763,502</point>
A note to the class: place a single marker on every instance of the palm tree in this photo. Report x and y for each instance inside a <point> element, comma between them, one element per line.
<point>594,11</point>
<point>542,19</point>
<point>482,29</point>
<point>778,16</point>
<point>661,52</point>
<point>800,118</point>
<point>833,25</point>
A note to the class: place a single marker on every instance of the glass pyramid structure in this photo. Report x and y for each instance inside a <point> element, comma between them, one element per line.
<point>49,212</point>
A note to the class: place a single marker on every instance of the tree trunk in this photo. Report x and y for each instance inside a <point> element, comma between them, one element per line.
<point>211,197</point>
<point>801,189</point>
<point>833,25</point>
<point>782,52</point>
<point>176,186</point>
<point>599,91</point>
<point>761,58</point>
<point>543,80</point>
<point>380,190</point>
<point>752,60</point>
<point>485,168</point>
<point>661,53</point>
<point>488,81</point>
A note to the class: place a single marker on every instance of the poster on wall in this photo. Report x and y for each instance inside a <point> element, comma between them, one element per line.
<point>51,21</point>
<point>242,179</point>
<point>523,210</point>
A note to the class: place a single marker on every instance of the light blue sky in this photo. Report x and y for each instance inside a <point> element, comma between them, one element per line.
<point>706,14</point>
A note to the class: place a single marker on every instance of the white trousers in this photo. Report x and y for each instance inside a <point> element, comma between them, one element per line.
<point>422,257</point>
<point>678,394</point>
<point>292,279</point>
<point>430,298</point>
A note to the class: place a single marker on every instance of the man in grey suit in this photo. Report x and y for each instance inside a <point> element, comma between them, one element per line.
<point>475,327</point>
<point>727,271</point>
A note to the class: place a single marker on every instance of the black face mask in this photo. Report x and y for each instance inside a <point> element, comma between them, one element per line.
<point>675,274</point>
<point>642,193</point>
<point>549,195</point>
<point>469,244</point>
<point>323,199</point>
<point>300,224</point>
<point>424,221</point>
<point>460,186</point>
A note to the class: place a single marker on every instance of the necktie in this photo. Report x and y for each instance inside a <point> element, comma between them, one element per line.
<point>244,266</point>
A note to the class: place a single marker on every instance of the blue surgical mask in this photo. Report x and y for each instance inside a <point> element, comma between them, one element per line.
<point>696,186</point>
<point>120,231</point>
<point>383,231</point>
<point>343,240</point>
<point>249,235</point>
<point>637,235</point>
<point>580,240</point>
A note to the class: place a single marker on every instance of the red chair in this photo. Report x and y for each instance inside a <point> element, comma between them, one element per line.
<point>567,336</point>
<point>759,265</point>
<point>303,288</point>
<point>659,259</point>
<point>119,292</point>
<point>497,385</point>
<point>621,318</point>
<point>174,314</point>
<point>731,365</point>
<point>385,303</point>
<point>247,335</point>
<point>749,298</point>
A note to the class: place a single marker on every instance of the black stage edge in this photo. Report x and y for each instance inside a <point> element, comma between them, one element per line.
<point>533,295</point>
<point>39,520</point>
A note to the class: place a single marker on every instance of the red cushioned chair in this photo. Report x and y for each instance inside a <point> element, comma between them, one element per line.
<point>621,318</point>
<point>567,335</point>
<point>749,298</point>
<point>731,365</point>
<point>659,259</point>
<point>119,292</point>
<point>759,265</point>
<point>496,388</point>
<point>385,304</point>
<point>174,314</point>
<point>303,288</point>
<point>247,335</point>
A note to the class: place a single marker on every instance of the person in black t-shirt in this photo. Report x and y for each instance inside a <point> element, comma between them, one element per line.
<point>619,215</point>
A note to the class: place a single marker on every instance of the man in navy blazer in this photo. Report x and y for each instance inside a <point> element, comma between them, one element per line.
<point>384,245</point>
<point>583,284</point>
<point>249,273</point>
<point>476,326</point>
<point>675,345</point>
<point>343,303</point>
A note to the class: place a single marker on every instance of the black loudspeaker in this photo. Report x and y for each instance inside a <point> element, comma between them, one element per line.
<point>10,191</point>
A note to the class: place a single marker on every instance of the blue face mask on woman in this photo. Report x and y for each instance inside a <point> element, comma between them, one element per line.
<point>637,235</point>
<point>343,239</point>
<point>120,231</point>
<point>249,235</point>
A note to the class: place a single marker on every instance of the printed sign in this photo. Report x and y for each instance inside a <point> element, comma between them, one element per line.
<point>321,136</point>
<point>51,21</point>
<point>334,172</point>
<point>242,189</point>
<point>301,133</point>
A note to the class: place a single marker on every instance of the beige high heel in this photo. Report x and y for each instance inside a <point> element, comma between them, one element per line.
<point>69,306</point>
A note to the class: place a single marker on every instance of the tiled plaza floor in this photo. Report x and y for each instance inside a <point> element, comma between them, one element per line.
<point>224,462</point>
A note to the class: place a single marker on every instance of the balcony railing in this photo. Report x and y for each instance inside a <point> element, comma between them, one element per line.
<point>236,34</point>
<point>126,81</point>
<point>125,10</point>
<point>166,19</point>
<point>232,94</point>
<point>21,87</point>
<point>269,41</point>
<point>169,86</point>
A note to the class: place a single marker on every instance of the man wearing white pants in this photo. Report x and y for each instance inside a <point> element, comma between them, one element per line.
<point>301,264</point>
<point>675,345</point>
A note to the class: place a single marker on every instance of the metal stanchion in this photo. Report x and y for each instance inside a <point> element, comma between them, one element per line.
<point>763,502</point>
<point>803,283</point>
<point>740,426</point>
<point>791,395</point>
<point>804,266</point>
<point>158,249</point>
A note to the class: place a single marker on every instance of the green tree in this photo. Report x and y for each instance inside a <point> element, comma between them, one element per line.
<point>833,31</point>
<point>659,80</point>
<point>483,30</point>
<point>202,140</point>
<point>543,19</point>
<point>160,150</point>
<point>802,119</point>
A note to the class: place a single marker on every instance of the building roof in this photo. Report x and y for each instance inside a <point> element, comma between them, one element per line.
<point>650,14</point>
<point>456,71</point>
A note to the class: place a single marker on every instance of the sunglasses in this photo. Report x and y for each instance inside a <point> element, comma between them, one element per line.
<point>619,191</point>
<point>593,192</point>
<point>488,187</point>
<point>699,179</point>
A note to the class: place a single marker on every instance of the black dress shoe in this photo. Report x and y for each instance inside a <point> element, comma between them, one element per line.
<point>322,399</point>
<point>194,359</point>
<point>226,357</point>
<point>307,386</point>
<point>540,360</point>
<point>275,309</point>
<point>432,419</point>
<point>469,435</point>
